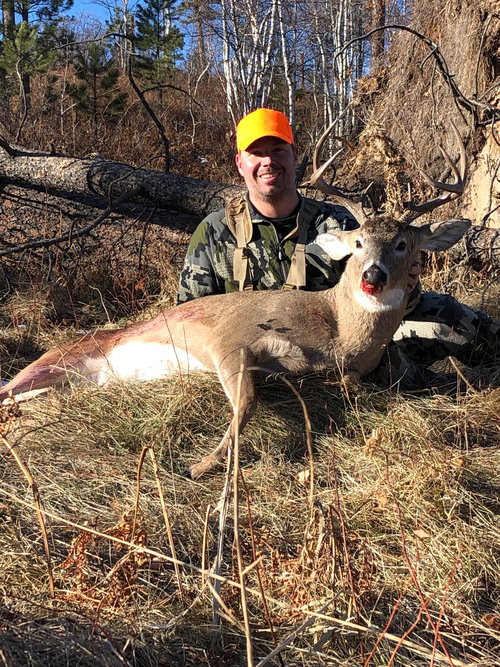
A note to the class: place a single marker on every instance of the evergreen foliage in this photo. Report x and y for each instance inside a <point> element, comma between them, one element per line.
<point>26,52</point>
<point>158,42</point>
<point>97,93</point>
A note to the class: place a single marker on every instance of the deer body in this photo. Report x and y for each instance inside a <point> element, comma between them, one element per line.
<point>345,328</point>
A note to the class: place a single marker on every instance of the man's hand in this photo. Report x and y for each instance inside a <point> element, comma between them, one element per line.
<point>413,274</point>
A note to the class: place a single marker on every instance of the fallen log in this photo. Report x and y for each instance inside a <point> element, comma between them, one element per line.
<point>113,180</point>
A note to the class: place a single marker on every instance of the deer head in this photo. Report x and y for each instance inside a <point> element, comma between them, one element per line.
<point>383,248</point>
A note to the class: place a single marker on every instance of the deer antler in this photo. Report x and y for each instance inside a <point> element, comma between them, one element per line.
<point>450,192</point>
<point>352,202</point>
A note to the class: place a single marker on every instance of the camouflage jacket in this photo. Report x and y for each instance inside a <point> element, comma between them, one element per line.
<point>208,267</point>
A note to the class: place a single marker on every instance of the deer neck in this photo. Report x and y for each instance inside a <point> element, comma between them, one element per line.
<point>365,321</point>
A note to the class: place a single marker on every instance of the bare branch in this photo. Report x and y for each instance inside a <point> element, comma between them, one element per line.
<point>471,105</point>
<point>70,236</point>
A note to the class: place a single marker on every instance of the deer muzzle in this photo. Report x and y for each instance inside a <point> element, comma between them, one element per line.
<point>373,280</point>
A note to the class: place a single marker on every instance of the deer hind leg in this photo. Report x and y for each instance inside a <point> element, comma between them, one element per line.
<point>73,362</point>
<point>35,378</point>
<point>242,413</point>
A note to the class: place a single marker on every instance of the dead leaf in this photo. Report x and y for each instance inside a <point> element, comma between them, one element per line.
<point>421,533</point>
<point>492,621</point>
<point>457,461</point>
<point>382,499</point>
<point>372,442</point>
<point>303,476</point>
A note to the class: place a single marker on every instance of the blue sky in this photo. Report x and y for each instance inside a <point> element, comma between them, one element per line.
<point>89,7</point>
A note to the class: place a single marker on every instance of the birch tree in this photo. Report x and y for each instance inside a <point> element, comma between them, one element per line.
<point>248,32</point>
<point>333,67</point>
<point>265,50</point>
<point>289,40</point>
<point>121,24</point>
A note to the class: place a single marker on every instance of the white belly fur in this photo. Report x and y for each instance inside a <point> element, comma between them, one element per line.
<point>146,361</point>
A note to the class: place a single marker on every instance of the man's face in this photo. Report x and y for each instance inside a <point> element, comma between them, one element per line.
<point>268,167</point>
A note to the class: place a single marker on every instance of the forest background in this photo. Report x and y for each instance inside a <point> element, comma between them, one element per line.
<point>202,66</point>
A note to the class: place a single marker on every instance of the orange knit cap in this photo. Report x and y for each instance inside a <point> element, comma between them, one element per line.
<point>262,123</point>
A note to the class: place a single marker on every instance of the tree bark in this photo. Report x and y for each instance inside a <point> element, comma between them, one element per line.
<point>9,18</point>
<point>96,176</point>
<point>378,38</point>
<point>482,246</point>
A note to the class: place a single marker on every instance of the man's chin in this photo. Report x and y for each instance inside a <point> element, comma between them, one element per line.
<point>270,197</point>
<point>271,191</point>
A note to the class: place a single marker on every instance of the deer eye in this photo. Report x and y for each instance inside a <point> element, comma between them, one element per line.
<point>401,246</point>
<point>358,244</point>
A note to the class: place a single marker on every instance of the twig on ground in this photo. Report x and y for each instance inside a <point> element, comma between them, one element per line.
<point>216,569</point>
<point>257,560</point>
<point>293,635</point>
<point>70,235</point>
<point>307,423</point>
<point>204,545</point>
<point>166,520</point>
<point>236,516</point>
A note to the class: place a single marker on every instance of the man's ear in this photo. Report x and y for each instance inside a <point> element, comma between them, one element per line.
<point>238,163</point>
<point>335,244</point>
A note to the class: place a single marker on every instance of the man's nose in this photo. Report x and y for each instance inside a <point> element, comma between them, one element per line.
<point>267,158</point>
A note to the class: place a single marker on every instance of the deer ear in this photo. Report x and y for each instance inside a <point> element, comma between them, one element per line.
<point>442,235</point>
<point>335,245</point>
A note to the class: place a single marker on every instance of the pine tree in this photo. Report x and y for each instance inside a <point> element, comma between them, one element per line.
<point>22,55</point>
<point>26,47</point>
<point>98,93</point>
<point>158,41</point>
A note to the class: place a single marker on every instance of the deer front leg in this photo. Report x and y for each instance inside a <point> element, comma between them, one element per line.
<point>242,413</point>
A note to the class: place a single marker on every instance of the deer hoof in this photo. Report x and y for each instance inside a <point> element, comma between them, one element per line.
<point>196,470</point>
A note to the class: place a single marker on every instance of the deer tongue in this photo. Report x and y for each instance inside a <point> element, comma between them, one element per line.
<point>370,288</point>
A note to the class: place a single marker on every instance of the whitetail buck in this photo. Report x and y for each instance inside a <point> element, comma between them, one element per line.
<point>346,327</point>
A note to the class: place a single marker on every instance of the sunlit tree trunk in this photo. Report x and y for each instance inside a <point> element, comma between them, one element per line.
<point>9,20</point>
<point>377,39</point>
<point>249,40</point>
<point>288,57</point>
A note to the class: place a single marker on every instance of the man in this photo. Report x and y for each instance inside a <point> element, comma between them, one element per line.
<point>266,240</point>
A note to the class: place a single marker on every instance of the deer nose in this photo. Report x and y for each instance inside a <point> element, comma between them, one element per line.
<point>375,276</point>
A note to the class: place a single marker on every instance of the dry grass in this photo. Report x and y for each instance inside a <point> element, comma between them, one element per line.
<point>403,525</point>
<point>384,549</point>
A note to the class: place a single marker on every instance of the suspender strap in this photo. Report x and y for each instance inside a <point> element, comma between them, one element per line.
<point>239,222</point>
<point>297,275</point>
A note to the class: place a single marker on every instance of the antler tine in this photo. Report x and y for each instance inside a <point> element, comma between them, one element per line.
<point>351,202</point>
<point>317,177</point>
<point>451,191</point>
